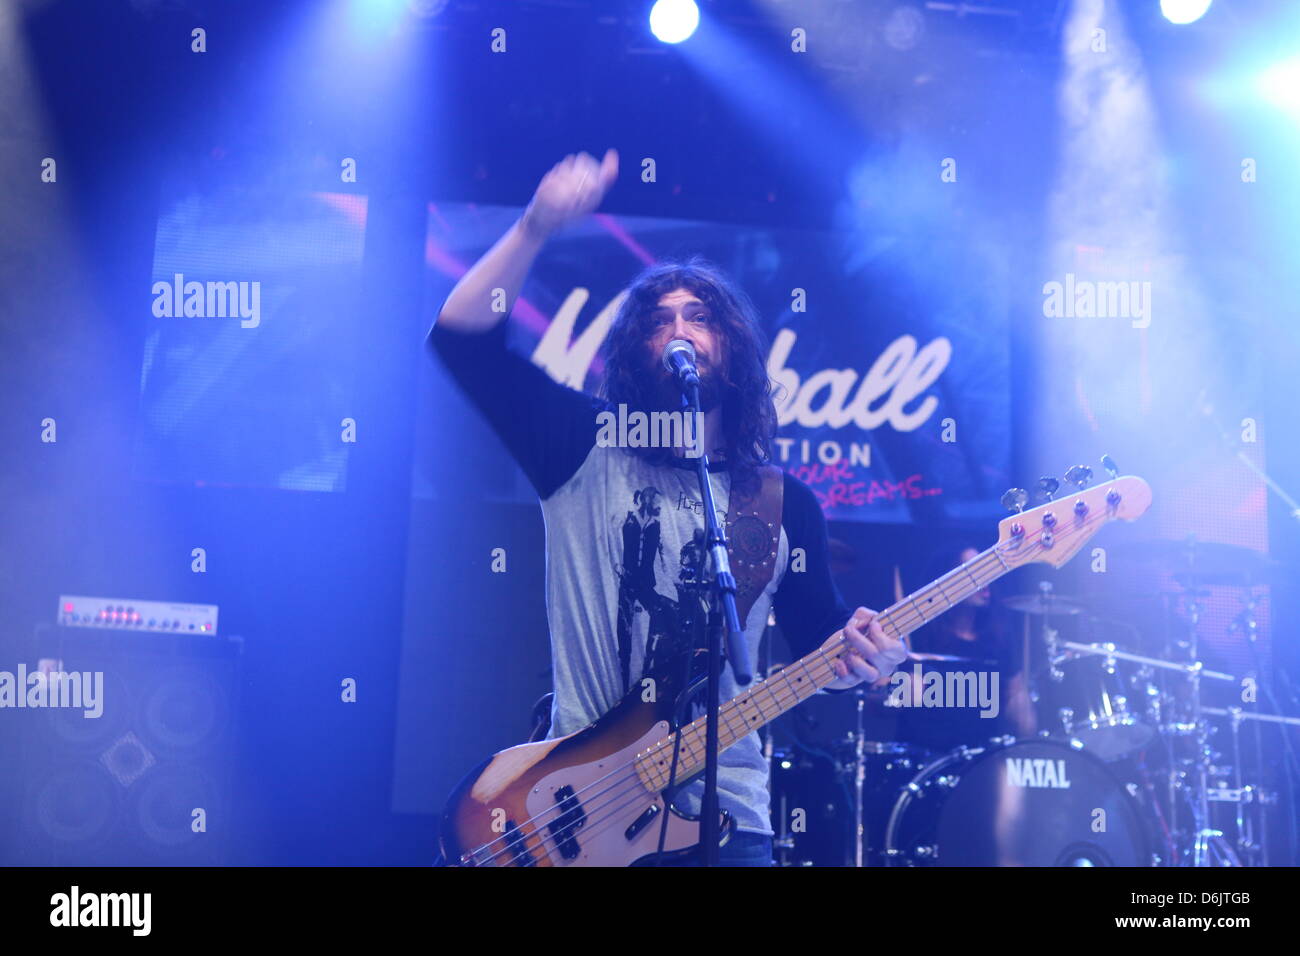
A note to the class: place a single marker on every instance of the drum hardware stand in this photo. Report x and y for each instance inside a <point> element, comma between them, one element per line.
<point>1204,835</point>
<point>1111,651</point>
<point>782,838</point>
<point>1245,623</point>
<point>859,779</point>
<point>862,748</point>
<point>1051,646</point>
<point>1242,793</point>
<point>1201,822</point>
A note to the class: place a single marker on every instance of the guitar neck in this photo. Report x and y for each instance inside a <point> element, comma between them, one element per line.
<point>771,697</point>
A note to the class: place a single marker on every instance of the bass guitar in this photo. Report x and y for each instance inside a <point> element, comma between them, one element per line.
<point>597,797</point>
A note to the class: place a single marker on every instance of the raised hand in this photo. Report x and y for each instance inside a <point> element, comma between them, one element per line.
<point>570,190</point>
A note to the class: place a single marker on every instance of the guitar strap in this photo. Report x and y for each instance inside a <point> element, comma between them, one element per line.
<point>753,535</point>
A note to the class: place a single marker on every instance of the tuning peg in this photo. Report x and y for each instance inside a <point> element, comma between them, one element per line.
<point>1047,486</point>
<point>1079,476</point>
<point>1015,499</point>
<point>1108,463</point>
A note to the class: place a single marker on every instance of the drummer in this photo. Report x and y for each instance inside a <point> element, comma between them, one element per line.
<point>973,633</point>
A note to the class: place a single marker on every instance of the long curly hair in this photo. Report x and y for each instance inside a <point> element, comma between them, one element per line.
<point>745,390</point>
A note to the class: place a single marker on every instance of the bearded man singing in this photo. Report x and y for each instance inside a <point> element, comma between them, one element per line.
<point>624,524</point>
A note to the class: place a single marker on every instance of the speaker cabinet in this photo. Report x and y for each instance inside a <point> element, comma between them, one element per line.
<point>147,782</point>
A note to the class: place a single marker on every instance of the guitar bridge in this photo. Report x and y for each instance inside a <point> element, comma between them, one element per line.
<point>641,822</point>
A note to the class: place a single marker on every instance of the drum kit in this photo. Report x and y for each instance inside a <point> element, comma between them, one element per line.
<point>1141,759</point>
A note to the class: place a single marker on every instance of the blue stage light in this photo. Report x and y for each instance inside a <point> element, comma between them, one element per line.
<point>1280,85</point>
<point>1184,11</point>
<point>672,21</point>
<point>376,17</point>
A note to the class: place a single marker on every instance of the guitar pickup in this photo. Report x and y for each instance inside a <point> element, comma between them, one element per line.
<point>518,845</point>
<point>563,828</point>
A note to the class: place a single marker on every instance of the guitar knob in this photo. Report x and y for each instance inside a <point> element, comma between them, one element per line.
<point>1108,463</point>
<point>1079,476</point>
<point>1047,487</point>
<point>1015,499</point>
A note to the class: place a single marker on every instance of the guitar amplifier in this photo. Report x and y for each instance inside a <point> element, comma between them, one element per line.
<point>127,614</point>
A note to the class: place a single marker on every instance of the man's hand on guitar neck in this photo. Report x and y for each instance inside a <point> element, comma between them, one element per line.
<point>872,653</point>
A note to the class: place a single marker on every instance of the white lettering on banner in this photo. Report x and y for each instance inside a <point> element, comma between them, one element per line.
<point>899,376</point>
<point>901,372</point>
<point>567,360</point>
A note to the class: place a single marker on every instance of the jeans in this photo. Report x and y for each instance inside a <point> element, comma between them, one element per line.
<point>746,849</point>
<point>743,849</point>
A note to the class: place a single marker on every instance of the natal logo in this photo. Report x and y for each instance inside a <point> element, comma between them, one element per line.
<point>1033,772</point>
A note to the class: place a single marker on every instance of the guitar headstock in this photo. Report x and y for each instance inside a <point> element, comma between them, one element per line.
<point>1052,533</point>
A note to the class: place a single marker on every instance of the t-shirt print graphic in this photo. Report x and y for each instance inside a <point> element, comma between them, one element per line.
<point>642,548</point>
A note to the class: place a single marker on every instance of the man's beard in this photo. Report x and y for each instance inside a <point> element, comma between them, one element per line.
<point>667,395</point>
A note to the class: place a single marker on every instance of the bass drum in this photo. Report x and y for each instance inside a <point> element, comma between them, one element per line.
<point>1035,802</point>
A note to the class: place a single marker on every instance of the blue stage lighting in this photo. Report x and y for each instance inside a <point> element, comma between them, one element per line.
<point>672,21</point>
<point>1280,85</point>
<point>1184,11</point>
<point>376,16</point>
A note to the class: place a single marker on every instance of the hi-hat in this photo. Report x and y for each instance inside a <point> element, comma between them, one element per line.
<point>1038,604</point>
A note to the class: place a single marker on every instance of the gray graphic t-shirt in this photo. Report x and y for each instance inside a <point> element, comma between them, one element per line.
<point>617,531</point>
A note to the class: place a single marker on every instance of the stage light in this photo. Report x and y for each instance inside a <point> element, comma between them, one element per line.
<point>672,21</point>
<point>1280,85</point>
<point>380,9</point>
<point>426,9</point>
<point>1184,11</point>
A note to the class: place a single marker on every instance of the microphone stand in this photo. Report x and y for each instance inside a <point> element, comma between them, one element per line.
<point>721,610</point>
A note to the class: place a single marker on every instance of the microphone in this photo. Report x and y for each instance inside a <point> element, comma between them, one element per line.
<point>679,358</point>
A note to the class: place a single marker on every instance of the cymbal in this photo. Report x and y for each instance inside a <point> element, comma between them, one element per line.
<point>1204,562</point>
<point>926,656</point>
<point>1241,577</point>
<point>1037,604</point>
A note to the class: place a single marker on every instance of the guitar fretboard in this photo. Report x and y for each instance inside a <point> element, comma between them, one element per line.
<point>771,697</point>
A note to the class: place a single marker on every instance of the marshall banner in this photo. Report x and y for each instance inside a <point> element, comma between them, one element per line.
<point>894,380</point>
